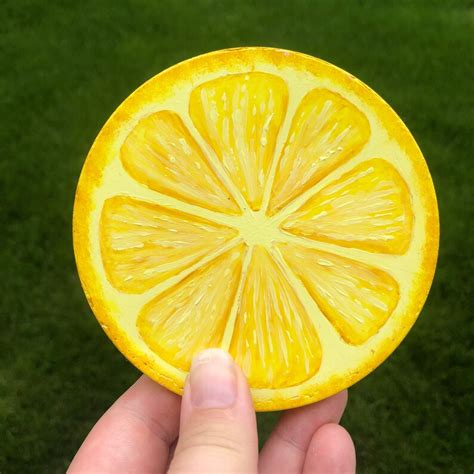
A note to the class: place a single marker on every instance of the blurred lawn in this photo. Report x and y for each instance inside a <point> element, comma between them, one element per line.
<point>65,66</point>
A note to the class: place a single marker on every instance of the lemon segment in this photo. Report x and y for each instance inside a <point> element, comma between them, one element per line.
<point>368,207</point>
<point>192,315</point>
<point>161,154</point>
<point>143,244</point>
<point>356,298</point>
<point>325,132</point>
<point>240,116</point>
<point>274,340</point>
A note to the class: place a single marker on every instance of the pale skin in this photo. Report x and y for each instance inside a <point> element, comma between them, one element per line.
<point>212,428</point>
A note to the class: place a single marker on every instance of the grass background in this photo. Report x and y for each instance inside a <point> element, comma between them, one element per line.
<point>65,66</point>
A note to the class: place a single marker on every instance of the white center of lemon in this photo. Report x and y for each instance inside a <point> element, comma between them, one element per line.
<point>257,229</point>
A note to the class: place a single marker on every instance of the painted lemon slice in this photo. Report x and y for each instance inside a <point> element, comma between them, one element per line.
<point>265,202</point>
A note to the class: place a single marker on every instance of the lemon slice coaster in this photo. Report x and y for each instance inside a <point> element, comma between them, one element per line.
<point>265,202</point>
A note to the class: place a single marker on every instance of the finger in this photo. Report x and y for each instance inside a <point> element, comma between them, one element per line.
<point>218,430</point>
<point>331,451</point>
<point>285,449</point>
<point>134,434</point>
<point>171,454</point>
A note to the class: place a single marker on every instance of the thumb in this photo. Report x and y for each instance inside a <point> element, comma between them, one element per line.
<point>218,430</point>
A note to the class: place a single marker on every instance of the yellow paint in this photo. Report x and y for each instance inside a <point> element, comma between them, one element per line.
<point>369,207</point>
<point>326,131</point>
<point>160,153</point>
<point>240,117</point>
<point>356,298</point>
<point>144,244</point>
<point>274,341</point>
<point>192,315</point>
<point>316,271</point>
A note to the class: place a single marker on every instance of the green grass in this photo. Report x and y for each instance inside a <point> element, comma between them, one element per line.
<point>65,66</point>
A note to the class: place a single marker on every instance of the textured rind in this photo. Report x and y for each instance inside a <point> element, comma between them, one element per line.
<point>162,86</point>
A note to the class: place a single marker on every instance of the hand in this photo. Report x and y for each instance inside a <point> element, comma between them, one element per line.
<point>217,430</point>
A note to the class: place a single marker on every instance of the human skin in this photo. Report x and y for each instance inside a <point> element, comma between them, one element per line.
<point>212,428</point>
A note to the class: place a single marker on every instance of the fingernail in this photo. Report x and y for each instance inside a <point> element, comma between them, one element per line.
<point>213,380</point>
